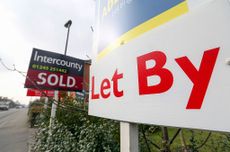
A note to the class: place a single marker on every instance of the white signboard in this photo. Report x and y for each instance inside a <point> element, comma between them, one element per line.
<point>175,75</point>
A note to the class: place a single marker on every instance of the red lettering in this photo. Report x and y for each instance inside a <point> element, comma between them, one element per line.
<point>93,95</point>
<point>115,79</point>
<point>166,77</point>
<point>200,78</point>
<point>105,84</point>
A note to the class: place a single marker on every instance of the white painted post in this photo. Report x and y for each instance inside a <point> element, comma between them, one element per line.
<point>54,109</point>
<point>45,107</point>
<point>129,137</point>
<point>46,103</point>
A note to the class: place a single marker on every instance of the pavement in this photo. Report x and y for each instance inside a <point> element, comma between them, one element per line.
<point>15,134</point>
<point>31,138</point>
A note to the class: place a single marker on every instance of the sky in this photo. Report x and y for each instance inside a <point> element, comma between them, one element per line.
<point>27,24</point>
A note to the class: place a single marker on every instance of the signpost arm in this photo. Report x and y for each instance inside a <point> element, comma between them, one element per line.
<point>67,25</point>
<point>129,137</point>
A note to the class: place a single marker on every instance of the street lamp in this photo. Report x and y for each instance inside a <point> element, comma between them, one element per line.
<point>67,25</point>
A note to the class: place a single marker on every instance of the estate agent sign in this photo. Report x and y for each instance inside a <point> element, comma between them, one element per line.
<point>176,74</point>
<point>53,71</point>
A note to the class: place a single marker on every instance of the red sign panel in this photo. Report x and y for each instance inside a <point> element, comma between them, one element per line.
<point>39,93</point>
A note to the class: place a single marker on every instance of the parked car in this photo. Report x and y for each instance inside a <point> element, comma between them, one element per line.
<point>4,106</point>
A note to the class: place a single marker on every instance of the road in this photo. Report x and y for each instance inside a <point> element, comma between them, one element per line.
<point>14,131</point>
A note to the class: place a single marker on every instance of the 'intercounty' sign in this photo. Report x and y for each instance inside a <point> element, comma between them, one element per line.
<point>53,71</point>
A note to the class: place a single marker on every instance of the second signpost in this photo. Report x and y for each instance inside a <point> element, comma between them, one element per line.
<point>54,71</point>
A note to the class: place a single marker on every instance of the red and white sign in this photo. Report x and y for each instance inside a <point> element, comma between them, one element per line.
<point>53,71</point>
<point>174,75</point>
<point>39,93</point>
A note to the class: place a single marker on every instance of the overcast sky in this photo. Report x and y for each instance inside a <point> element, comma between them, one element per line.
<point>26,24</point>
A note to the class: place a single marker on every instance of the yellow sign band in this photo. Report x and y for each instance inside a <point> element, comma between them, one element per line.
<point>162,18</point>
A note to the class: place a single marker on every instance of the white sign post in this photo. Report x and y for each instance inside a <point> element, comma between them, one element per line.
<point>129,137</point>
<point>46,103</point>
<point>54,109</point>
